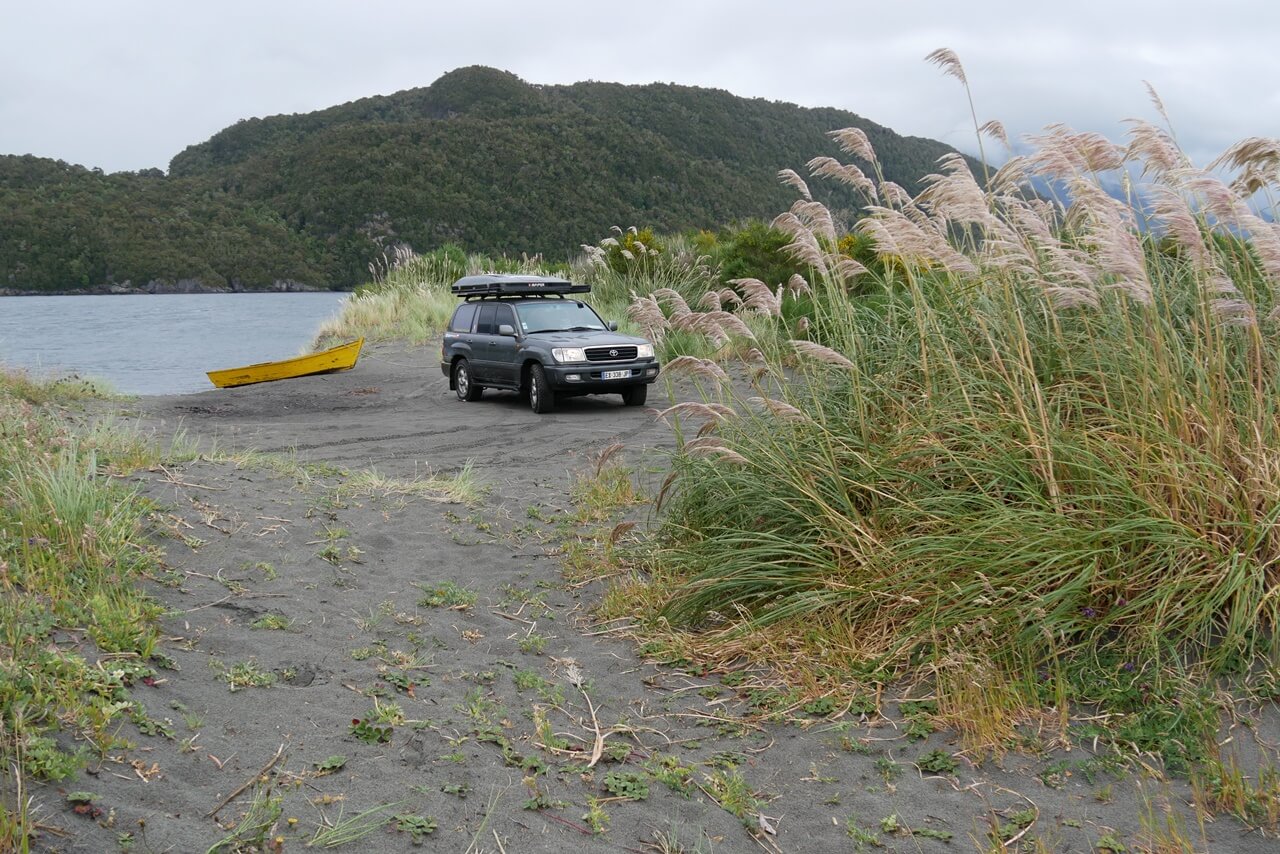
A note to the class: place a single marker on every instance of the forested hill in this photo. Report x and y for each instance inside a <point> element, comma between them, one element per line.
<point>479,158</point>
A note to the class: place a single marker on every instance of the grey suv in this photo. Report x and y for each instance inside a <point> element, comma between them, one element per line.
<point>530,334</point>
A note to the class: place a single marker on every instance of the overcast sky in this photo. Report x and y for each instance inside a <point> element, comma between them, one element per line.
<point>126,84</point>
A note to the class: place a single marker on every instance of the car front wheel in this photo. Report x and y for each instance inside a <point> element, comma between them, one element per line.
<point>541,398</point>
<point>635,395</point>
<point>466,387</point>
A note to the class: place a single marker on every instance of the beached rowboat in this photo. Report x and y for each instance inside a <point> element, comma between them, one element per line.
<point>339,358</point>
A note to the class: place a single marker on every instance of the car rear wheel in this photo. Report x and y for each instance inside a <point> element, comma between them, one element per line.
<point>466,387</point>
<point>635,395</point>
<point>541,398</point>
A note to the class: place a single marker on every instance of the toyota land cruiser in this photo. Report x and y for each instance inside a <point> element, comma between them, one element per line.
<point>530,334</point>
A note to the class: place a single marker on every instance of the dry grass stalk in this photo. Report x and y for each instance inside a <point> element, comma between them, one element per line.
<point>894,195</point>
<point>849,174</point>
<point>816,219</point>
<point>619,530</point>
<point>1154,148</point>
<point>1255,155</point>
<point>1156,101</point>
<point>731,324</point>
<point>694,366</point>
<point>1063,153</point>
<point>648,314</point>
<point>894,234</point>
<point>797,285</point>
<point>779,408</point>
<point>695,408</point>
<point>760,297</point>
<point>729,297</point>
<point>1068,298</point>
<point>995,130</point>
<point>805,249</point>
<point>717,451</point>
<point>1109,225</point>
<point>705,324</point>
<point>845,268</point>
<point>691,322</point>
<point>946,59</point>
<point>703,443</point>
<point>678,305</point>
<point>854,141</point>
<point>1234,312</point>
<point>955,195</point>
<point>598,461</point>
<point>793,180</point>
<point>1180,222</point>
<point>823,354</point>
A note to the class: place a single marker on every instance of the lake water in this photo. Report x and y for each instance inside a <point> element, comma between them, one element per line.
<point>157,344</point>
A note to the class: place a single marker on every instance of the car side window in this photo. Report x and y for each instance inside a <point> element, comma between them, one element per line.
<point>462,318</point>
<point>485,325</point>
<point>504,315</point>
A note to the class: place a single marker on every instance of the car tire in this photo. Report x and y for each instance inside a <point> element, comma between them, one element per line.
<point>467,388</point>
<point>541,398</point>
<point>635,395</point>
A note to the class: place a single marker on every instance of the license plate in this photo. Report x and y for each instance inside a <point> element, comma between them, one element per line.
<point>615,375</point>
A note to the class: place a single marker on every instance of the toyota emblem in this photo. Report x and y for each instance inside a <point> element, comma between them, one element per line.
<point>613,353</point>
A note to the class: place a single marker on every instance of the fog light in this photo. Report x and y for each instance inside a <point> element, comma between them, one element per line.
<point>573,378</point>
<point>651,372</point>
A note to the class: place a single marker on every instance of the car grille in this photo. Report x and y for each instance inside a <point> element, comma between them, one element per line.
<point>622,353</point>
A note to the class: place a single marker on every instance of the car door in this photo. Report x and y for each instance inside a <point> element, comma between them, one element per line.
<point>482,353</point>
<point>457,338</point>
<point>502,348</point>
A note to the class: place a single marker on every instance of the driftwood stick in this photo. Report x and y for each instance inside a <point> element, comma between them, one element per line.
<point>247,783</point>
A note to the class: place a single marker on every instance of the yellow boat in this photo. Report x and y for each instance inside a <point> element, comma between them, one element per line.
<point>340,358</point>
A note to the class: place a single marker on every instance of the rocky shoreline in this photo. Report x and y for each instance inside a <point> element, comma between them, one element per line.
<point>163,286</point>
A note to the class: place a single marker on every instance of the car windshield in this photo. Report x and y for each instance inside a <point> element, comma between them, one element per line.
<point>557,316</point>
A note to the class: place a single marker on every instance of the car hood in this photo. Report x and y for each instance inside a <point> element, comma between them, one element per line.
<point>586,339</point>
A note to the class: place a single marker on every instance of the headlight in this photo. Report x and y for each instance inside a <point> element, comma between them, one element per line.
<point>569,354</point>
<point>644,351</point>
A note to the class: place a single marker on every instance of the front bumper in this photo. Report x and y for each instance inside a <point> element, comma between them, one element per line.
<point>587,377</point>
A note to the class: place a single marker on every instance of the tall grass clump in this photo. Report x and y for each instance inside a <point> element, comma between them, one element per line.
<point>409,296</point>
<point>636,262</point>
<point>75,629</point>
<point>667,291</point>
<point>1034,460</point>
<point>21,385</point>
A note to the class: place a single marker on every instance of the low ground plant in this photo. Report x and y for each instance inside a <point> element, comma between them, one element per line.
<point>462,487</point>
<point>71,551</point>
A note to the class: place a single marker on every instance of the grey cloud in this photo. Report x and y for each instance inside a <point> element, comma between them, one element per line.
<point>128,84</point>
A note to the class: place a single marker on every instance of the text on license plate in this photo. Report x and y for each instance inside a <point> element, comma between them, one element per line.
<point>614,375</point>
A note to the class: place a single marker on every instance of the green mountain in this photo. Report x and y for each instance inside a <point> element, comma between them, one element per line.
<point>479,158</point>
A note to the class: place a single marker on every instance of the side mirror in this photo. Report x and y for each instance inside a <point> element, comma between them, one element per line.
<point>613,325</point>
<point>507,329</point>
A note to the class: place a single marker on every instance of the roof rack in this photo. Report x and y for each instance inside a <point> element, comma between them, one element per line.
<point>494,284</point>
